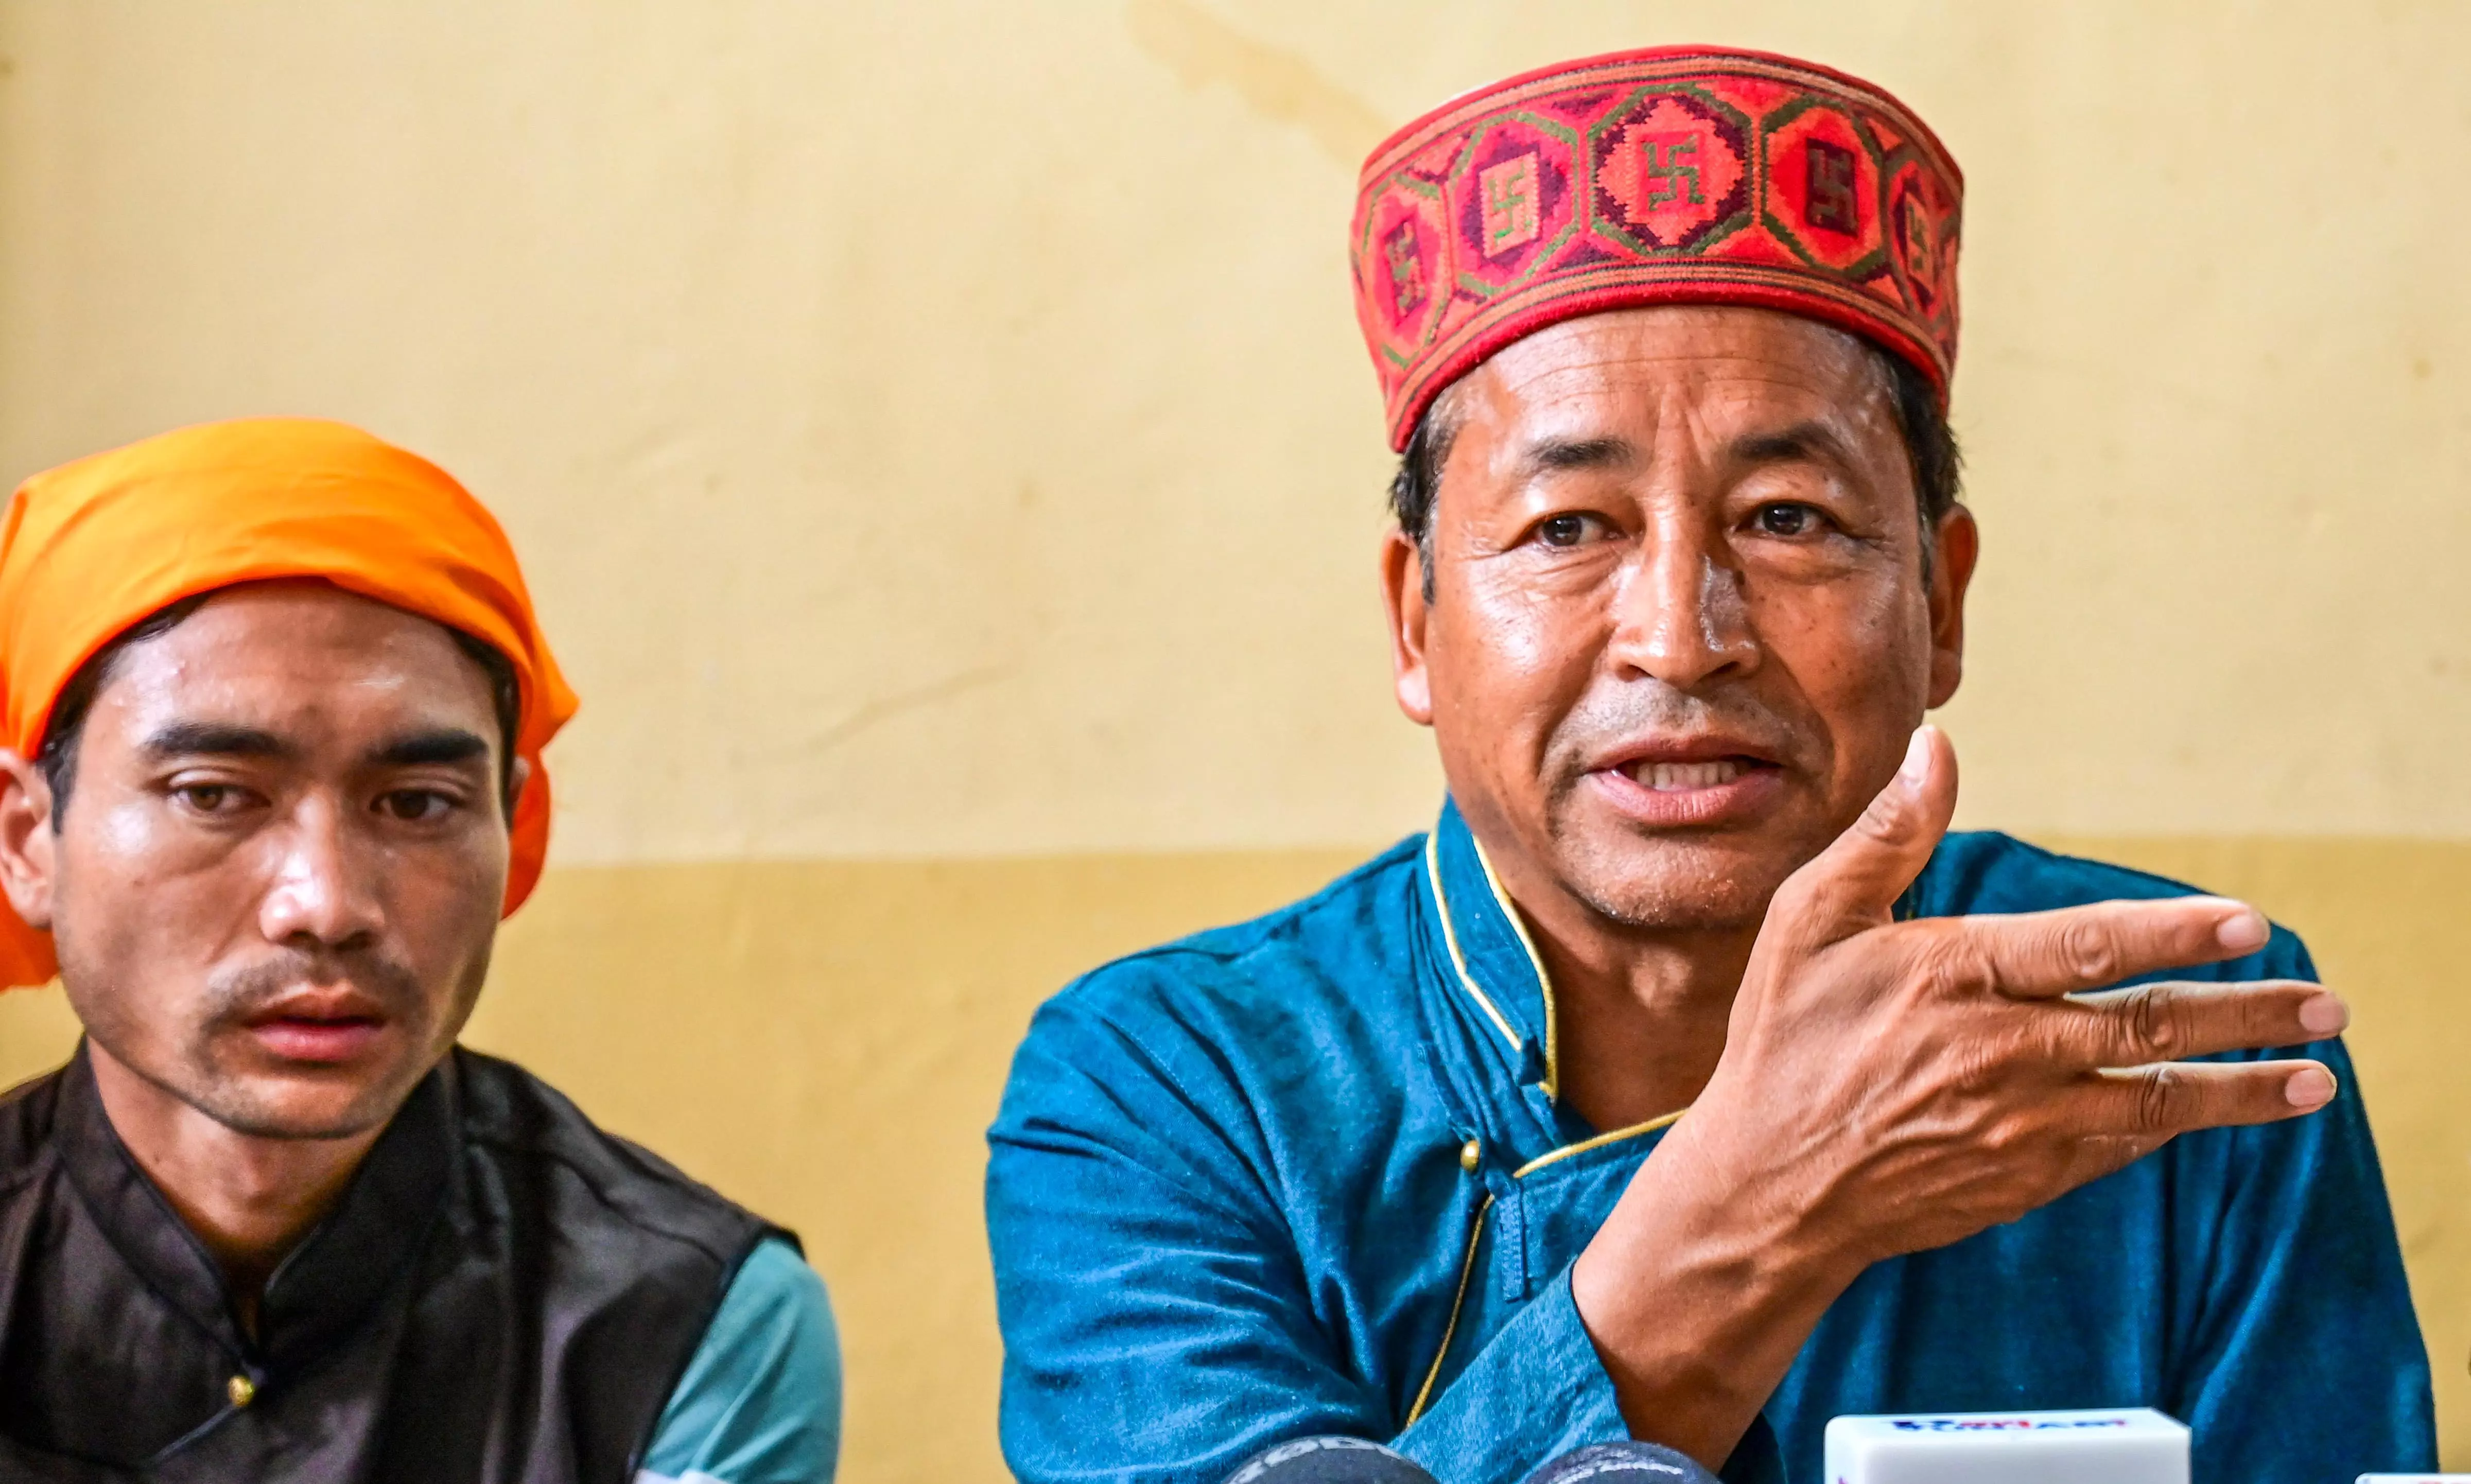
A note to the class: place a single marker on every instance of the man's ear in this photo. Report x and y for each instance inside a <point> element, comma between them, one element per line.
<point>1958,545</point>
<point>519,772</point>
<point>1402,597</point>
<point>27,843</point>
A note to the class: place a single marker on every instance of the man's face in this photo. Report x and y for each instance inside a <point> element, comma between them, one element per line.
<point>1681,623</point>
<point>281,858</point>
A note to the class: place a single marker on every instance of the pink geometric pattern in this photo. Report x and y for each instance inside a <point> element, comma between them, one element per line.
<point>1681,175</point>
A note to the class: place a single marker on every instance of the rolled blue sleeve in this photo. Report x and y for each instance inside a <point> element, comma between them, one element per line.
<point>1156,1328</point>
<point>1537,1391</point>
<point>1159,1324</point>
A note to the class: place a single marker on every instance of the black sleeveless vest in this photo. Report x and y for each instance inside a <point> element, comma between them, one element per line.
<point>505,1293</point>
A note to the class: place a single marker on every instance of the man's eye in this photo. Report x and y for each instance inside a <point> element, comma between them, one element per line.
<point>1566,529</point>
<point>416,806</point>
<point>1784,518</point>
<point>208,798</point>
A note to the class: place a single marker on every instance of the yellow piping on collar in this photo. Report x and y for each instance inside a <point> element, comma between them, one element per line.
<point>1535,961</point>
<point>1467,1271</point>
<point>1451,937</point>
<point>1597,1142</point>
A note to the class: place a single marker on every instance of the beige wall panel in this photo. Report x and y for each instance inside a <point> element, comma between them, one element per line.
<point>939,429</point>
<point>826,1042</point>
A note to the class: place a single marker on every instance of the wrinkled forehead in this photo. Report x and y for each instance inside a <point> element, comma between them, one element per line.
<point>1716,372</point>
<point>298,654</point>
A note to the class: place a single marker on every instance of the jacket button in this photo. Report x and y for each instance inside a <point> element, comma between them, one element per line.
<point>242,1390</point>
<point>1470,1155</point>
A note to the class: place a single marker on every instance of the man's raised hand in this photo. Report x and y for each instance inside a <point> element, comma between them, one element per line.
<point>1908,1084</point>
<point>1887,1087</point>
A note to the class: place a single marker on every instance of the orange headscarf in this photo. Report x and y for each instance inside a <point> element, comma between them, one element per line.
<point>93,548</point>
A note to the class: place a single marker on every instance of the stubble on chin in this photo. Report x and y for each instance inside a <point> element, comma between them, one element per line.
<point>213,1065</point>
<point>1674,881</point>
<point>288,1102</point>
<point>289,1106</point>
<point>1663,887</point>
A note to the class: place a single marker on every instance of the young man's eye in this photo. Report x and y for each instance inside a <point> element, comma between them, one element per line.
<point>208,798</point>
<point>1786,518</point>
<point>416,806</point>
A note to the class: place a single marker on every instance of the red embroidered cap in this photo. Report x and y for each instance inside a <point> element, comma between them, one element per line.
<point>1676,176</point>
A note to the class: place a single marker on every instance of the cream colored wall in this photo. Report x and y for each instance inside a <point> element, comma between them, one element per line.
<point>937,434</point>
<point>1020,333</point>
<point>826,1040</point>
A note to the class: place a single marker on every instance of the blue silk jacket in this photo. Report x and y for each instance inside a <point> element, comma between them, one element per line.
<point>1308,1175</point>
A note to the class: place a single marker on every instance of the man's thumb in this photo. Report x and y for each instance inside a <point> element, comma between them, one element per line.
<point>1854,882</point>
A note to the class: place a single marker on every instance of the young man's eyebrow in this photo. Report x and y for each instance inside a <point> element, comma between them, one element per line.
<point>444,745</point>
<point>214,739</point>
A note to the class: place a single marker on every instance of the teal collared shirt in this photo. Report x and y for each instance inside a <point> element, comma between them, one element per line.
<point>1309,1175</point>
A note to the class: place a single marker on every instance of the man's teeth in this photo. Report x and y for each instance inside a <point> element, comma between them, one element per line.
<point>1676,777</point>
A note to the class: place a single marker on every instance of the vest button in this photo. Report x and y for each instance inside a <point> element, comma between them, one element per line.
<point>242,1390</point>
<point>1470,1155</point>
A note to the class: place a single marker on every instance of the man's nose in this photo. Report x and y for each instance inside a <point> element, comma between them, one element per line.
<point>322,892</point>
<point>1680,615</point>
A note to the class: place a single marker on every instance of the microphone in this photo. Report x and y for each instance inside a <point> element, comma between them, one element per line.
<point>1623,1463</point>
<point>1329,1461</point>
<point>2111,1445</point>
<point>1355,1461</point>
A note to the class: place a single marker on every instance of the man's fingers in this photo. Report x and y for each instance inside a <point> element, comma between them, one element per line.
<point>1855,881</point>
<point>2040,955</point>
<point>2179,1097</point>
<point>2162,1023</point>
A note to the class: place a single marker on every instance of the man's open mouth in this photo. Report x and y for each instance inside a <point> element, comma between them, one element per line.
<point>1685,777</point>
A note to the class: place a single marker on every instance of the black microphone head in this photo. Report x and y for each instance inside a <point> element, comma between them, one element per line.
<point>1328,1461</point>
<point>1623,1463</point>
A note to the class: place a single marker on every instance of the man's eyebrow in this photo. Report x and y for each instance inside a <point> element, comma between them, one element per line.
<point>1804,442</point>
<point>1553,455</point>
<point>214,739</point>
<point>444,745</point>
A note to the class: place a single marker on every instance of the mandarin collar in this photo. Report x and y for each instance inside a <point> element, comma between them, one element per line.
<point>1480,935</point>
<point>1486,949</point>
<point>336,1274</point>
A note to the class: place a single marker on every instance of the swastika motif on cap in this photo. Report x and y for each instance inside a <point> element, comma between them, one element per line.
<point>1682,174</point>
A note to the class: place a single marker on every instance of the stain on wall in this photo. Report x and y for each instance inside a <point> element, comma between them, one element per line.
<point>1276,82</point>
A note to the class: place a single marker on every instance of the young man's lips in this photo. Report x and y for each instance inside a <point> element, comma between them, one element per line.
<point>305,1038</point>
<point>1699,792</point>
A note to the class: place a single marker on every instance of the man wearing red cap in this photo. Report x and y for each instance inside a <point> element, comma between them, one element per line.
<point>1689,1082</point>
<point>274,700</point>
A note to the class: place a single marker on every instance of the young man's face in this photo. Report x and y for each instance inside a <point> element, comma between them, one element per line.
<point>281,858</point>
<point>1685,612</point>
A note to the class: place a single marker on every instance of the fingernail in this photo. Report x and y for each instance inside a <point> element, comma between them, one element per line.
<point>1916,764</point>
<point>2243,931</point>
<point>2323,1015</point>
<point>2310,1087</point>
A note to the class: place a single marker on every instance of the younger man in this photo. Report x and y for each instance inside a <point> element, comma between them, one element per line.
<point>273,700</point>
